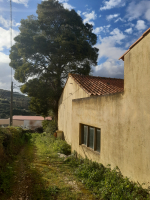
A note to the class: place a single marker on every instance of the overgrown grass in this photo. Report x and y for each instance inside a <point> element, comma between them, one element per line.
<point>11,141</point>
<point>102,181</point>
<point>50,144</point>
<point>54,173</point>
<point>50,126</point>
<point>106,183</point>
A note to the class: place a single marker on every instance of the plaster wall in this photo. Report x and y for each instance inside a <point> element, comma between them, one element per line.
<point>4,121</point>
<point>124,119</point>
<point>18,122</point>
<point>71,91</point>
<point>32,123</point>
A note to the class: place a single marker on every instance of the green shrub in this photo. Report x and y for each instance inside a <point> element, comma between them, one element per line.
<point>11,141</point>
<point>52,127</point>
<point>6,175</point>
<point>45,124</point>
<point>61,146</point>
<point>106,183</point>
<point>50,143</point>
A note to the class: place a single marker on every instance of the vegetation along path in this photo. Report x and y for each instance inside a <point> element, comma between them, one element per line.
<point>40,174</point>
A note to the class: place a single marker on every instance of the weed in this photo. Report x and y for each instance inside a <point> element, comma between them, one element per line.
<point>11,141</point>
<point>49,126</point>
<point>5,177</point>
<point>106,183</point>
<point>51,144</point>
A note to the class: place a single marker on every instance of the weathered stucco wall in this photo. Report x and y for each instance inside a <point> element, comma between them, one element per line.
<point>124,119</point>
<point>32,123</point>
<point>71,91</point>
<point>18,122</point>
<point>4,121</point>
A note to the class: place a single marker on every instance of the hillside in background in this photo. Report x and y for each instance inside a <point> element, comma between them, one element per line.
<point>20,104</point>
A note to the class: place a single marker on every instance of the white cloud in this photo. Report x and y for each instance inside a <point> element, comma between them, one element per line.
<point>89,17</point>
<point>4,58</point>
<point>140,25</point>
<point>101,29</point>
<point>119,19</point>
<point>111,4</point>
<point>147,14</point>
<point>107,45</point>
<point>134,11</point>
<point>129,30</point>
<point>108,48</point>
<point>128,44</point>
<point>79,12</point>
<point>100,15</point>
<point>62,1</point>
<point>5,72</point>
<point>110,68</point>
<point>25,2</point>
<point>67,6</point>
<point>98,30</point>
<point>109,17</point>
<point>6,23</point>
<point>5,38</point>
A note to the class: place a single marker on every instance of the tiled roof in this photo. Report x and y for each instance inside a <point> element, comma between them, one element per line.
<point>98,85</point>
<point>144,34</point>
<point>20,117</point>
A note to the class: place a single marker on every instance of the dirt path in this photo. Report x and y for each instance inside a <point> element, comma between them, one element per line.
<point>37,177</point>
<point>22,178</point>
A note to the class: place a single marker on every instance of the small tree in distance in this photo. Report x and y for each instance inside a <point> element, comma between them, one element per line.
<point>50,46</point>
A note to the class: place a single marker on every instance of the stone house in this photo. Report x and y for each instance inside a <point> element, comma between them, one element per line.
<point>108,120</point>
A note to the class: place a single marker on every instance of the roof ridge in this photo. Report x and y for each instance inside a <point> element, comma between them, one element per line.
<point>95,76</point>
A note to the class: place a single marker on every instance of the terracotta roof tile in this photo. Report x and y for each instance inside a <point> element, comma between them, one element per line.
<point>144,34</point>
<point>99,85</point>
<point>20,117</point>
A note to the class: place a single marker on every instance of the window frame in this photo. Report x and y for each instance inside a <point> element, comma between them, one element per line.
<point>81,137</point>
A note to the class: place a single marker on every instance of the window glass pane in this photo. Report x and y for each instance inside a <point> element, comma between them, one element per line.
<point>91,137</point>
<point>98,137</point>
<point>85,135</point>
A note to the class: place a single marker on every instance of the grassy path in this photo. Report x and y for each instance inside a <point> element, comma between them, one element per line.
<point>42,175</point>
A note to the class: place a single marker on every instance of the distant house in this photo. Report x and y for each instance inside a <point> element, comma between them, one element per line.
<point>4,122</point>
<point>29,121</point>
<point>108,120</point>
<point>25,121</point>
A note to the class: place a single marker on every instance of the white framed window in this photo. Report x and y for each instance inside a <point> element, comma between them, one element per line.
<point>90,136</point>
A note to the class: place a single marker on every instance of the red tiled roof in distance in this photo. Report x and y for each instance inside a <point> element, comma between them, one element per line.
<point>98,85</point>
<point>34,118</point>
<point>144,34</point>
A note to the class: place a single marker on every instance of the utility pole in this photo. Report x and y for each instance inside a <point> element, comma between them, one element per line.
<point>11,104</point>
<point>11,96</point>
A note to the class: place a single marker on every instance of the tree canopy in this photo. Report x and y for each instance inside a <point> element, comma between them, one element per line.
<point>50,46</point>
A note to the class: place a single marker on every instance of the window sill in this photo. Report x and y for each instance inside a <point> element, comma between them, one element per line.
<point>90,149</point>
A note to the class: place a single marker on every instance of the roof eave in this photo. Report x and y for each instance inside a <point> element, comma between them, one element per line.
<point>137,41</point>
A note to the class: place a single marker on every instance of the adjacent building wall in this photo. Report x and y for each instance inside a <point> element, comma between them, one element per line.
<point>71,91</point>
<point>32,124</point>
<point>18,123</point>
<point>24,123</point>
<point>124,119</point>
<point>4,122</point>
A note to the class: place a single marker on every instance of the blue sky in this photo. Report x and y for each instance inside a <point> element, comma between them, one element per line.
<point>117,24</point>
